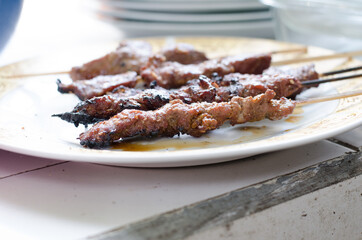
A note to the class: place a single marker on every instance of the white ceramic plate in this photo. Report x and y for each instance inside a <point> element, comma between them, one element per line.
<point>191,6</point>
<point>262,28</point>
<point>185,18</point>
<point>26,125</point>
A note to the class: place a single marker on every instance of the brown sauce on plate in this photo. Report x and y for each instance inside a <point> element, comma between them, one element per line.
<point>298,110</point>
<point>143,145</point>
<point>294,119</point>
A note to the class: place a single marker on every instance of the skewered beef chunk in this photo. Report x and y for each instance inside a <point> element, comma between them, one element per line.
<point>98,86</point>
<point>244,85</point>
<point>303,73</point>
<point>129,56</point>
<point>183,53</point>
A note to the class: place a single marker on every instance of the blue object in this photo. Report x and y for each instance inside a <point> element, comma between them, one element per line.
<point>9,15</point>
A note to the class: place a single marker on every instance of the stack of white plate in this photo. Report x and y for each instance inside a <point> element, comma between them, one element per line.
<point>137,18</point>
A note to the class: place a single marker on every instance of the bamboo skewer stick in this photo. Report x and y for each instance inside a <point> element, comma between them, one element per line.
<point>35,74</point>
<point>329,98</point>
<point>292,50</point>
<point>318,58</point>
<point>305,82</point>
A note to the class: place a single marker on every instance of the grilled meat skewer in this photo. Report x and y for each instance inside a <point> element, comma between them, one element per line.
<point>173,74</point>
<point>202,89</point>
<point>103,84</point>
<point>101,108</point>
<point>131,56</point>
<point>194,119</point>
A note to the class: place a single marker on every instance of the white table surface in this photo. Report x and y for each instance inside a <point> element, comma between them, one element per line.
<point>48,199</point>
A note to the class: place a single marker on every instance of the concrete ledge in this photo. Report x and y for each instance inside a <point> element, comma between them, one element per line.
<point>225,209</point>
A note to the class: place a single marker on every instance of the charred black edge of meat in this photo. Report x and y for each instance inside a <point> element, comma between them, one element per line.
<point>78,118</point>
<point>60,89</point>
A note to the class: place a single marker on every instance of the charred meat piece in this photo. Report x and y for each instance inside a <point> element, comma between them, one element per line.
<point>194,119</point>
<point>108,105</point>
<point>98,86</point>
<point>183,53</point>
<point>78,118</point>
<point>197,90</point>
<point>129,56</point>
<point>173,75</point>
<point>304,73</point>
<point>244,85</point>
